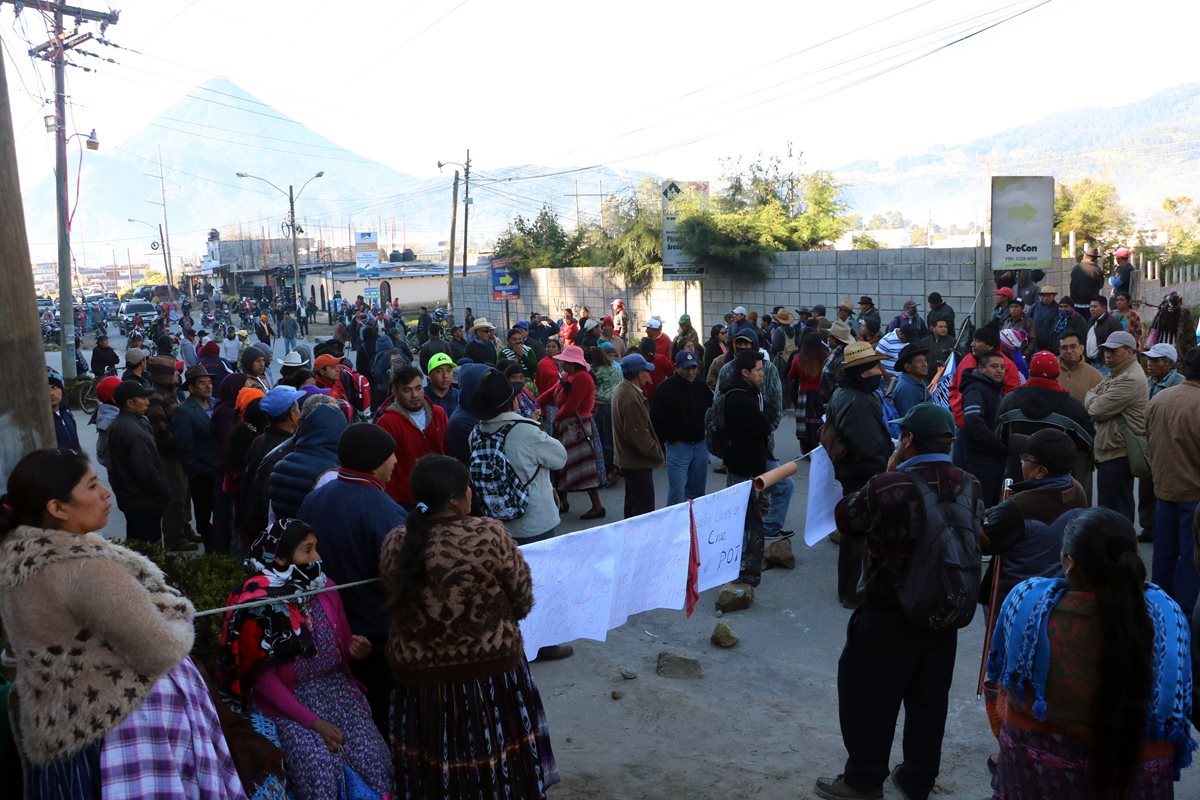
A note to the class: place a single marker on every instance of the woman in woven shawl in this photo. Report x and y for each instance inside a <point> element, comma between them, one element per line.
<point>1089,686</point>
<point>107,702</point>
<point>291,661</point>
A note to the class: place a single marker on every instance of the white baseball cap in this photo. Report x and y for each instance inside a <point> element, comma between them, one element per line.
<point>1163,350</point>
<point>740,310</point>
<point>654,322</point>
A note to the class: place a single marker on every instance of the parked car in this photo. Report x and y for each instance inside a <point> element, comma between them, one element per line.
<point>129,309</point>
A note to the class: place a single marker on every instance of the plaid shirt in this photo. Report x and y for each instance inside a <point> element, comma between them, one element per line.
<point>171,747</point>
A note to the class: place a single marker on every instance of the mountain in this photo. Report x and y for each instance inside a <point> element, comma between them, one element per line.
<point>1148,148</point>
<point>218,129</point>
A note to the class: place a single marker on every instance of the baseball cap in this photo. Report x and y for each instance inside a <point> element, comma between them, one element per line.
<point>1120,339</point>
<point>747,336</point>
<point>1163,350</point>
<point>686,358</point>
<point>279,400</point>
<point>634,362</point>
<point>1017,301</point>
<point>135,355</point>
<point>439,360</point>
<point>1123,252</point>
<point>654,323</point>
<point>1004,291</point>
<point>1044,364</point>
<point>326,360</point>
<point>684,318</point>
<point>129,390</point>
<point>928,421</point>
<point>740,310</point>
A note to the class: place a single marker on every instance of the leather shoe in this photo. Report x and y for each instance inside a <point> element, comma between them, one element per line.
<point>597,514</point>
<point>896,783</point>
<point>838,789</point>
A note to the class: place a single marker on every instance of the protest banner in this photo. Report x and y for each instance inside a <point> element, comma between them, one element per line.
<point>720,523</point>
<point>573,579</point>
<point>653,563</point>
<point>823,494</point>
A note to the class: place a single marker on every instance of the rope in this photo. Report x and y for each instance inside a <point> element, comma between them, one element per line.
<point>289,598</point>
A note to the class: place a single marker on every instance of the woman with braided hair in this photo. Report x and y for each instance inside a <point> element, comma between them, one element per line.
<point>1173,324</point>
<point>1089,682</point>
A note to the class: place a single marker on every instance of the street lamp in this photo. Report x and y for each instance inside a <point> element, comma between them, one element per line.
<point>159,245</point>
<point>291,222</point>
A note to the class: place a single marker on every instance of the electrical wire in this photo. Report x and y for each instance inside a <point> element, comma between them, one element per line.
<point>415,36</point>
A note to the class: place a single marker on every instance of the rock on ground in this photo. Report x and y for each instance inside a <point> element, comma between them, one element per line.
<point>677,665</point>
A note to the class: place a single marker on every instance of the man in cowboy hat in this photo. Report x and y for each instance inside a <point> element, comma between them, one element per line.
<point>1086,279</point>
<point>840,335</point>
<point>910,314</point>
<point>482,349</point>
<point>868,311</point>
<point>197,446</point>
<point>1044,314</point>
<point>912,377</point>
<point>856,414</point>
<point>845,313</point>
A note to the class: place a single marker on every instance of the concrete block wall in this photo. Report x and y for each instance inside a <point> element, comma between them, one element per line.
<point>828,277</point>
<point>549,291</point>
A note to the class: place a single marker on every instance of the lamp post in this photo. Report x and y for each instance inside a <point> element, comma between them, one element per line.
<point>162,245</point>
<point>291,222</point>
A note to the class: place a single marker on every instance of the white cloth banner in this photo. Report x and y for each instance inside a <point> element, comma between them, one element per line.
<point>573,579</point>
<point>720,527</point>
<point>653,565</point>
<point>823,494</point>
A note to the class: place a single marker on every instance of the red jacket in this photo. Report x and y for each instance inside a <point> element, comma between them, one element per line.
<point>662,346</point>
<point>663,369</point>
<point>411,443</point>
<point>1012,379</point>
<point>547,375</point>
<point>579,402</point>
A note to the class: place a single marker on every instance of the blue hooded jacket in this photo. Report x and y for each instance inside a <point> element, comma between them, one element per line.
<point>462,421</point>
<point>315,451</point>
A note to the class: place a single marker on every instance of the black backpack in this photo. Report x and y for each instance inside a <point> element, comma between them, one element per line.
<point>716,439</point>
<point>941,589</point>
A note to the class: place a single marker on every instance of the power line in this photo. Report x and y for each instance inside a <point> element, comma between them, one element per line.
<point>414,37</point>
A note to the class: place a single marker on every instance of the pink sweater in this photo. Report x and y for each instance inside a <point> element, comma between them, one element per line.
<point>274,691</point>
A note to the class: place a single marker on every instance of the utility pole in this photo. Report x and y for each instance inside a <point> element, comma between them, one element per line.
<point>466,208</point>
<point>295,248</point>
<point>27,421</point>
<point>164,231</point>
<point>453,225</point>
<point>55,51</point>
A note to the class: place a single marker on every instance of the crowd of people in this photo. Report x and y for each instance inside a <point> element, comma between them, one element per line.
<point>407,463</point>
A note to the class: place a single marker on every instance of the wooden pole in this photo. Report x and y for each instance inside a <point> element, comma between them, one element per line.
<point>24,402</point>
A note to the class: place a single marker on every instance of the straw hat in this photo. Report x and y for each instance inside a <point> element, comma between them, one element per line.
<point>482,323</point>
<point>783,317</point>
<point>574,355</point>
<point>860,354</point>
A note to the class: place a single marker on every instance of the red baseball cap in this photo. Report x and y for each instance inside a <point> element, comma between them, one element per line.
<point>1005,291</point>
<point>1123,252</point>
<point>1044,365</point>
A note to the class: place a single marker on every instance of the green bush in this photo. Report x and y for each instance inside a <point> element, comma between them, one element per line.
<point>207,581</point>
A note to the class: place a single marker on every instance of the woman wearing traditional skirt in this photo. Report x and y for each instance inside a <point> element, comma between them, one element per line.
<point>290,660</point>
<point>575,397</point>
<point>1088,684</point>
<point>467,719</point>
<point>804,373</point>
<point>107,702</point>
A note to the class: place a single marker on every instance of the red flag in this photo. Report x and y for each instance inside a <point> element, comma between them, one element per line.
<point>693,578</point>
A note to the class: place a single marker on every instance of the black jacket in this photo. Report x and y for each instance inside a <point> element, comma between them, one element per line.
<point>981,404</point>
<point>677,410</point>
<point>481,352</point>
<point>1106,326</point>
<point>857,415</point>
<point>944,311</point>
<point>1027,409</point>
<point>136,474</point>
<point>194,441</point>
<point>1087,278</point>
<point>747,427</point>
<point>102,359</point>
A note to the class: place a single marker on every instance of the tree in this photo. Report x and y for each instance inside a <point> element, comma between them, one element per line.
<point>631,236</point>
<point>1181,222</point>
<point>1093,210</point>
<point>865,241</point>
<point>541,243</point>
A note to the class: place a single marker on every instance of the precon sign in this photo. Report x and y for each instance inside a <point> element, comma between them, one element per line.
<point>1022,222</point>
<point>678,265</point>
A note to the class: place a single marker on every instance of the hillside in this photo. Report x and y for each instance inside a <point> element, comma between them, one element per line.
<point>219,130</point>
<point>1149,148</point>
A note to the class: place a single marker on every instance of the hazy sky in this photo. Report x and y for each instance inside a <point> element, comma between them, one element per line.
<point>669,87</point>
